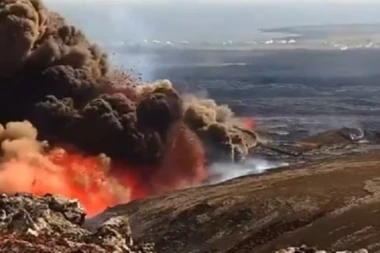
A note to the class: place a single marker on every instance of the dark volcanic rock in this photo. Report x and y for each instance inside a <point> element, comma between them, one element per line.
<point>305,249</point>
<point>323,145</point>
<point>54,224</point>
<point>331,204</point>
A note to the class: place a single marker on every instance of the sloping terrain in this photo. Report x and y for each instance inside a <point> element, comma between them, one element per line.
<point>332,204</point>
<point>54,224</point>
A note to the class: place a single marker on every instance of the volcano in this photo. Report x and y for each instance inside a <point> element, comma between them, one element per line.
<point>89,153</point>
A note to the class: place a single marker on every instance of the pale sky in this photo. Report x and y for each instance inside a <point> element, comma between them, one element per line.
<point>177,20</point>
<point>223,1</point>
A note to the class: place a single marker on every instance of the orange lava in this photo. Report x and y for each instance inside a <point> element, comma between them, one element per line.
<point>133,178</point>
<point>98,183</point>
<point>85,178</point>
<point>68,174</point>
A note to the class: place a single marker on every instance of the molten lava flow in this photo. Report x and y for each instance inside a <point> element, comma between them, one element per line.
<point>86,179</point>
<point>68,174</point>
<point>98,184</point>
<point>95,181</point>
<point>133,178</point>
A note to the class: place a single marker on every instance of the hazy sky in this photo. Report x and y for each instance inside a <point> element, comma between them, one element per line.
<point>226,1</point>
<point>207,19</point>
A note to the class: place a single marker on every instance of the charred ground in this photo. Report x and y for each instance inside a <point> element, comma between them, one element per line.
<point>330,203</point>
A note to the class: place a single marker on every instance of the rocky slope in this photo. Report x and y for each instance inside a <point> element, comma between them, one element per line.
<point>329,201</point>
<point>332,203</point>
<point>54,224</point>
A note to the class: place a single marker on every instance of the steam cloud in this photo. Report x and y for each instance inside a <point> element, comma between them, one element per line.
<point>52,76</point>
<point>220,172</point>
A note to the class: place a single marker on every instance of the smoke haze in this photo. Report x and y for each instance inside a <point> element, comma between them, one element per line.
<point>208,21</point>
<point>220,172</point>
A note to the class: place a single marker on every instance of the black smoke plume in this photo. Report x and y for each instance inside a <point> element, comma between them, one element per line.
<point>51,75</point>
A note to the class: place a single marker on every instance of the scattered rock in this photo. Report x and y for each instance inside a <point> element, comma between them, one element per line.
<point>54,224</point>
<point>305,249</point>
<point>331,204</point>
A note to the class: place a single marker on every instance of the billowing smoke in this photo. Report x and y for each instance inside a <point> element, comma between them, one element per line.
<point>148,134</point>
<point>223,135</point>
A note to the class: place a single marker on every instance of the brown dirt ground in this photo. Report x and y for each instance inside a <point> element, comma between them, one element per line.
<point>332,204</point>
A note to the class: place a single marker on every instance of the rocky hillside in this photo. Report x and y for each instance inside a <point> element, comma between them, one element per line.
<point>332,203</point>
<point>54,224</point>
<point>328,199</point>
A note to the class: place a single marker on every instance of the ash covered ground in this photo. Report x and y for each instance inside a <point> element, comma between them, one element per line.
<point>294,93</point>
<point>290,94</point>
<point>318,108</point>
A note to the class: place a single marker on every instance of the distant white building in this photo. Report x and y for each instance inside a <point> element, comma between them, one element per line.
<point>269,42</point>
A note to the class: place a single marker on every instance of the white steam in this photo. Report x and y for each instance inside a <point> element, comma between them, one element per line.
<point>221,172</point>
